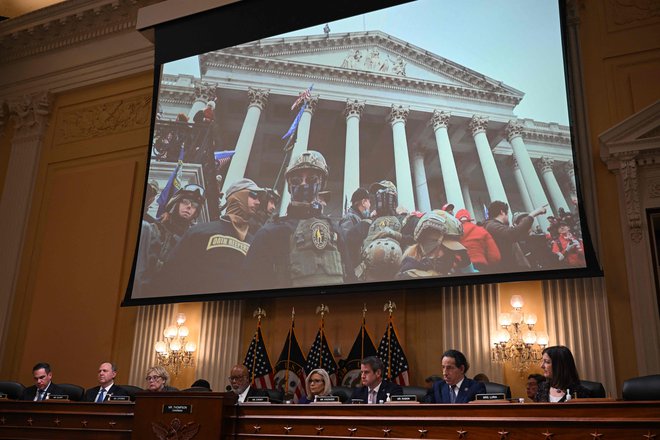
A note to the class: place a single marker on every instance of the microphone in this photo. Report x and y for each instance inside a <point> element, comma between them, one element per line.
<point>228,388</point>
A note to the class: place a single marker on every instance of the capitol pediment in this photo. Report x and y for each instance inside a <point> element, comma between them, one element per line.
<point>360,55</point>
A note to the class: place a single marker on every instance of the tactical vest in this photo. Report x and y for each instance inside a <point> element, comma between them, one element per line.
<point>314,257</point>
<point>381,250</point>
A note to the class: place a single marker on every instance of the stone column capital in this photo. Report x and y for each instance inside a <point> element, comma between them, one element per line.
<point>312,103</point>
<point>398,114</point>
<point>30,113</point>
<point>569,168</point>
<point>353,108</point>
<point>513,130</point>
<point>258,97</point>
<point>546,164</point>
<point>439,119</point>
<point>478,124</point>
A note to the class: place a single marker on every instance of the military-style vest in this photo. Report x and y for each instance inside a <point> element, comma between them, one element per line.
<point>314,257</point>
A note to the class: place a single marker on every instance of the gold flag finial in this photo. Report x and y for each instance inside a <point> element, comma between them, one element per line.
<point>259,313</point>
<point>323,310</point>
<point>364,311</point>
<point>389,307</point>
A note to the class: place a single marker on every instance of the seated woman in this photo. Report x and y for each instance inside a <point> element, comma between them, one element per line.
<point>157,378</point>
<point>317,383</point>
<point>561,376</point>
<point>533,381</point>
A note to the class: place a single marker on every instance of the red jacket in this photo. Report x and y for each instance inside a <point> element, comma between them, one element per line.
<point>480,245</point>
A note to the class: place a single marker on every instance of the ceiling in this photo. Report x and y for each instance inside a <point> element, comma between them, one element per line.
<point>14,8</point>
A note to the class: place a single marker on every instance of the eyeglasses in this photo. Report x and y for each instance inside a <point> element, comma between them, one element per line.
<point>316,381</point>
<point>310,180</point>
<point>188,202</point>
<point>152,378</point>
<point>254,194</point>
<point>236,378</point>
<point>194,188</point>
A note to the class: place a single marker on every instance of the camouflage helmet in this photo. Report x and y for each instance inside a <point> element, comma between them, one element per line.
<point>310,160</point>
<point>383,184</point>
<point>440,221</point>
<point>383,255</point>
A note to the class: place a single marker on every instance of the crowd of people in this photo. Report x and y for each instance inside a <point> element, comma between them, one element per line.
<point>250,247</point>
<point>559,382</point>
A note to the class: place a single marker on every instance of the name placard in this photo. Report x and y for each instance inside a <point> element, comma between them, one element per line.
<point>357,401</point>
<point>118,398</point>
<point>3,396</point>
<point>404,398</point>
<point>490,396</point>
<point>257,399</point>
<point>58,397</point>
<point>177,409</point>
<point>326,399</point>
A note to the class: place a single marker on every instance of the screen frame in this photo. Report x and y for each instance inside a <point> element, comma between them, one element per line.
<point>270,20</point>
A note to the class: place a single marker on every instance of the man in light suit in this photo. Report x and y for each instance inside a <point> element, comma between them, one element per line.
<point>455,387</point>
<point>374,389</point>
<point>107,373</point>
<point>43,385</point>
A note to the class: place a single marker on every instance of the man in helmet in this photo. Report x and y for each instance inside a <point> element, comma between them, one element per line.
<point>152,192</point>
<point>302,248</point>
<point>159,238</point>
<point>437,251</point>
<point>381,249</point>
<point>209,257</point>
<point>269,201</point>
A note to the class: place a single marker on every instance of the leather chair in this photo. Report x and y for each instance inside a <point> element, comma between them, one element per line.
<point>642,388</point>
<point>418,392</point>
<point>275,396</point>
<point>596,389</point>
<point>13,390</point>
<point>131,390</point>
<point>75,392</point>
<point>344,393</point>
<point>494,387</point>
<point>198,389</point>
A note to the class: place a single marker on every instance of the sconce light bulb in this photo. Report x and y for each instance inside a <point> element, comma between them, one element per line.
<point>183,331</point>
<point>175,346</point>
<point>190,347</point>
<point>160,347</point>
<point>531,319</point>
<point>517,301</point>
<point>504,319</point>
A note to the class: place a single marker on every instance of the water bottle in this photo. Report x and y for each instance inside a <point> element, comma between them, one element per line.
<point>568,394</point>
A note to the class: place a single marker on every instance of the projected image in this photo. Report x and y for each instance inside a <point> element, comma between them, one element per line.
<point>396,145</point>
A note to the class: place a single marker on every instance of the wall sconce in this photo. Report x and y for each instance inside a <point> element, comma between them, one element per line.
<point>175,352</point>
<point>516,342</point>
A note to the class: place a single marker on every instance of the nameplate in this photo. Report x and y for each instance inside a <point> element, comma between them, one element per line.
<point>404,398</point>
<point>177,409</point>
<point>490,396</point>
<point>3,396</point>
<point>118,398</point>
<point>326,399</point>
<point>257,399</point>
<point>58,397</point>
<point>357,401</point>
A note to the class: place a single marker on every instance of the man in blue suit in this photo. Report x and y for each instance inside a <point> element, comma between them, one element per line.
<point>455,388</point>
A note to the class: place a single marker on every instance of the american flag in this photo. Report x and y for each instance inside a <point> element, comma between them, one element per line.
<point>290,367</point>
<point>362,347</point>
<point>258,362</point>
<point>302,97</point>
<point>223,158</point>
<point>391,352</point>
<point>172,186</point>
<point>320,356</point>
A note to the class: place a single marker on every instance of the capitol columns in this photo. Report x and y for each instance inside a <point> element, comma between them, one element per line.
<point>478,125</point>
<point>522,189</point>
<point>352,112</point>
<point>302,139</point>
<point>439,121</point>
<point>397,118</point>
<point>550,180</point>
<point>421,184</point>
<point>258,99</point>
<point>534,188</point>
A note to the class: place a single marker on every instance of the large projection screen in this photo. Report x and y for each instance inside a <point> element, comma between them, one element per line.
<point>453,118</point>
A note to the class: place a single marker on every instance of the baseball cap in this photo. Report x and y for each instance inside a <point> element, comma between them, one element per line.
<point>241,185</point>
<point>464,213</point>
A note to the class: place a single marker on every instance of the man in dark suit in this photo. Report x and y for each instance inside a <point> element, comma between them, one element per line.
<point>374,389</point>
<point>239,380</point>
<point>107,387</point>
<point>43,386</point>
<point>455,388</point>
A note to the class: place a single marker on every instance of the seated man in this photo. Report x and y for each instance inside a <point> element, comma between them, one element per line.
<point>455,388</point>
<point>239,380</point>
<point>107,387</point>
<point>43,385</point>
<point>374,389</point>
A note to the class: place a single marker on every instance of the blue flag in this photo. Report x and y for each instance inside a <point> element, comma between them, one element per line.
<point>172,186</point>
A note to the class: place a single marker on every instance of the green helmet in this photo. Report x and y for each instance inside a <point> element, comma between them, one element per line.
<point>440,221</point>
<point>310,160</point>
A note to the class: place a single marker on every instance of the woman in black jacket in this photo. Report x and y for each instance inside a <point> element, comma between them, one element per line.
<point>562,377</point>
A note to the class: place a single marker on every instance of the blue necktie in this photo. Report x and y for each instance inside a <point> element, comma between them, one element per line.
<point>100,398</point>
<point>452,394</point>
<point>41,394</point>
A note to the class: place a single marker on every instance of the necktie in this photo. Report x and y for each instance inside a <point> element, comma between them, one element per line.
<point>101,393</point>
<point>41,394</point>
<point>452,394</point>
<point>372,396</point>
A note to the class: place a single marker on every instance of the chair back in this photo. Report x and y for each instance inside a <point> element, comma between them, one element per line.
<point>131,390</point>
<point>13,390</point>
<point>596,389</point>
<point>197,389</point>
<point>275,396</point>
<point>344,393</point>
<point>418,392</point>
<point>494,387</point>
<point>642,388</point>
<point>75,392</point>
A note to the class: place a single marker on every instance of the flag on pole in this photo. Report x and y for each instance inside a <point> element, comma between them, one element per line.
<point>320,355</point>
<point>302,98</point>
<point>222,158</point>
<point>172,186</point>
<point>392,355</point>
<point>362,347</point>
<point>257,361</point>
<point>290,367</point>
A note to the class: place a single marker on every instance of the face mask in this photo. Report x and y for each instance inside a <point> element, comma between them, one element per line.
<point>366,213</point>
<point>305,193</point>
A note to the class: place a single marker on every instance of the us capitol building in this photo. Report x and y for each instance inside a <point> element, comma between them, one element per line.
<point>380,108</point>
